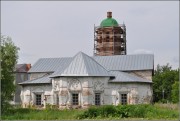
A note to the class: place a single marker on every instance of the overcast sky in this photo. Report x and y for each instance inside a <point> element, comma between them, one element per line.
<point>47,29</point>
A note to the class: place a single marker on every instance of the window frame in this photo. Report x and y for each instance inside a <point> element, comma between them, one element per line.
<point>75,99</point>
<point>57,99</point>
<point>38,99</point>
<point>97,98</point>
<point>124,98</point>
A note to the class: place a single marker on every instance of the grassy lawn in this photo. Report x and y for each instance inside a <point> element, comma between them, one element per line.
<point>157,111</point>
<point>35,114</point>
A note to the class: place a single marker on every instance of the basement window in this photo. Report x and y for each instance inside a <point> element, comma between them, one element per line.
<point>38,99</point>
<point>123,99</point>
<point>97,99</point>
<point>75,98</point>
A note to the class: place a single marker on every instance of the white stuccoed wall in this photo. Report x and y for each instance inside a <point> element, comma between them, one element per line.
<point>137,93</point>
<point>110,92</point>
<point>86,88</point>
<point>28,94</point>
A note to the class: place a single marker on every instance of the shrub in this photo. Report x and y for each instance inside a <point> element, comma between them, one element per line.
<point>107,111</point>
<point>125,111</point>
<point>122,111</point>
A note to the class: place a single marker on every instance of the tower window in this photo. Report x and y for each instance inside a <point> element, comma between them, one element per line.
<point>123,99</point>
<point>97,99</point>
<point>107,35</point>
<point>38,99</point>
<point>75,98</point>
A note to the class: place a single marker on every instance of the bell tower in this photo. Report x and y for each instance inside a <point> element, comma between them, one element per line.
<point>110,37</point>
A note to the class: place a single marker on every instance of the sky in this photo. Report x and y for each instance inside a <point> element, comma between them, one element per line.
<point>49,29</point>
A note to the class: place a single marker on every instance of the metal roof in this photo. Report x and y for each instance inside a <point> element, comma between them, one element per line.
<point>82,65</point>
<point>127,62</point>
<point>50,64</point>
<point>116,62</point>
<point>125,77</point>
<point>41,80</point>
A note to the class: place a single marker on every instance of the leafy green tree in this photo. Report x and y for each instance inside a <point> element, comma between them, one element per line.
<point>163,79</point>
<point>9,56</point>
<point>175,92</point>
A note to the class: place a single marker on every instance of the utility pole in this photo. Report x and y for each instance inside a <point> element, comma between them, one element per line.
<point>163,93</point>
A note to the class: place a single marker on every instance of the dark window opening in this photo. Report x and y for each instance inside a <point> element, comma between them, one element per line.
<point>107,35</point>
<point>38,99</point>
<point>97,99</point>
<point>123,99</point>
<point>107,40</point>
<point>57,99</point>
<point>75,98</point>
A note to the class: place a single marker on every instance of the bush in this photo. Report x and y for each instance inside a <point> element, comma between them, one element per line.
<point>98,112</point>
<point>107,111</point>
<point>125,111</point>
<point>122,111</point>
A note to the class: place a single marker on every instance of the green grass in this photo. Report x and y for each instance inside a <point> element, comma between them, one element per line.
<point>157,111</point>
<point>35,114</point>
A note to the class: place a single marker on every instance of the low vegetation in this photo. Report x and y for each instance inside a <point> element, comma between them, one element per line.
<point>130,111</point>
<point>157,111</point>
<point>36,114</point>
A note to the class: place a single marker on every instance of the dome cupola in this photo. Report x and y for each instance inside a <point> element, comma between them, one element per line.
<point>109,21</point>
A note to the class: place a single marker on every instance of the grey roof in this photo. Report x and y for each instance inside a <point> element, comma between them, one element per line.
<point>125,77</point>
<point>50,64</point>
<point>116,62</point>
<point>127,62</point>
<point>41,80</point>
<point>82,65</point>
<point>21,68</point>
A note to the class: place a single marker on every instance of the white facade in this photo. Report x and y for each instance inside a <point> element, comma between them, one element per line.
<point>60,92</point>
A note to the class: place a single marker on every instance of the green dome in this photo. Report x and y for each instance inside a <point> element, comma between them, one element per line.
<point>109,22</point>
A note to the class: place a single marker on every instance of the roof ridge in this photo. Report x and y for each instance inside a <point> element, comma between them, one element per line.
<point>97,62</point>
<point>84,65</point>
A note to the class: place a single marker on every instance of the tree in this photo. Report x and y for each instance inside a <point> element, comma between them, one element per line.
<point>163,79</point>
<point>175,92</point>
<point>9,56</point>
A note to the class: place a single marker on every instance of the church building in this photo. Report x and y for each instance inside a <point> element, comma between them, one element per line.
<point>109,77</point>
